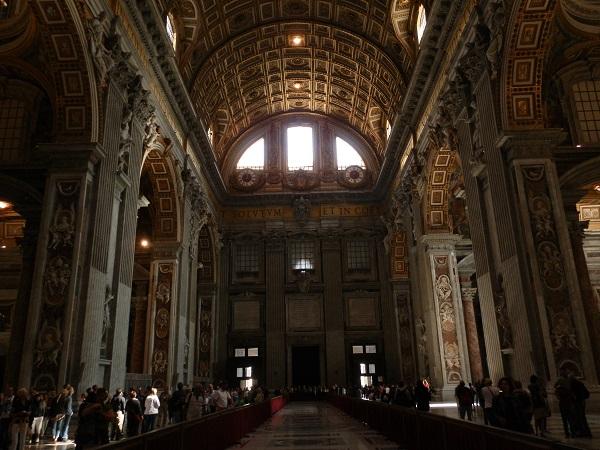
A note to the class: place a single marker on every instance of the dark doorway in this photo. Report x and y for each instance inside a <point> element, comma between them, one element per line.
<point>306,368</point>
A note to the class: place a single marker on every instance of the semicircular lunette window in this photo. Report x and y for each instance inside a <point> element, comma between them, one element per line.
<point>347,155</point>
<point>253,157</point>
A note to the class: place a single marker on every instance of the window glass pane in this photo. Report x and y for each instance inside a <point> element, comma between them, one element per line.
<point>371,348</point>
<point>347,155</point>
<point>421,23</point>
<point>248,372</point>
<point>357,349</point>
<point>246,258</point>
<point>587,103</point>
<point>371,368</point>
<point>363,368</point>
<point>253,157</point>
<point>358,255</point>
<point>253,351</point>
<point>240,352</point>
<point>240,372</point>
<point>300,148</point>
<point>302,255</point>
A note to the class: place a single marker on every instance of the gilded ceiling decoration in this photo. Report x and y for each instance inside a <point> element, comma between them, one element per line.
<point>243,65</point>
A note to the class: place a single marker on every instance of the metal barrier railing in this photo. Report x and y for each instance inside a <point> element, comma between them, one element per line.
<point>416,430</point>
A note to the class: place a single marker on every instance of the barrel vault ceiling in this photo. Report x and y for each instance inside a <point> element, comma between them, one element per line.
<point>243,65</point>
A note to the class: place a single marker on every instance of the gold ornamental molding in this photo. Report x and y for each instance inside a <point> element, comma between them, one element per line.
<point>279,213</point>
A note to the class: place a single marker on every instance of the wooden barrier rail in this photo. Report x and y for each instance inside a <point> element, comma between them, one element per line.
<point>416,430</point>
<point>212,432</point>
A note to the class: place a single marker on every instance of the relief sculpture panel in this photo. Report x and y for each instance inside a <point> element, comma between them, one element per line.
<point>57,279</point>
<point>162,319</point>
<point>446,309</point>
<point>551,267</point>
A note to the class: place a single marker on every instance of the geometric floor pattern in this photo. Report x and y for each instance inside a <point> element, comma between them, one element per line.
<point>314,426</point>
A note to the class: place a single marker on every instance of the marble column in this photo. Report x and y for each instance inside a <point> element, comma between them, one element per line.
<point>590,306</point>
<point>447,307</point>
<point>28,244</point>
<point>557,296</point>
<point>333,306</point>
<point>467,296</point>
<point>55,300</point>
<point>275,313</point>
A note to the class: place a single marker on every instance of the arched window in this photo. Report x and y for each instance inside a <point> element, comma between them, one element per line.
<point>586,100</point>
<point>254,156</point>
<point>171,30</point>
<point>388,129</point>
<point>347,155</point>
<point>300,151</point>
<point>421,23</point>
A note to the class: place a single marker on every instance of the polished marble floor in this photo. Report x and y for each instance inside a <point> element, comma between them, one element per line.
<point>314,426</point>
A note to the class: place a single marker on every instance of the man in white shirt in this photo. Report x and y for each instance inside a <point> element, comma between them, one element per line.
<point>221,398</point>
<point>151,405</point>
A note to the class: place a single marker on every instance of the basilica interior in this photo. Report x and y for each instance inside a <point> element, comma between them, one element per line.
<point>299,192</point>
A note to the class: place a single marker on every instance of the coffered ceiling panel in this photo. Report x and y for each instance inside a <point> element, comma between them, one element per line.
<point>243,67</point>
<point>259,73</point>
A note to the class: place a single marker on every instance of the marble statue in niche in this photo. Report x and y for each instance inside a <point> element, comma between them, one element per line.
<point>62,231</point>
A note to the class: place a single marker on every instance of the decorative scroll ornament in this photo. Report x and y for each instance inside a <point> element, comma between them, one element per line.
<point>62,231</point>
<point>48,345</point>
<point>301,180</point>
<point>101,56</point>
<point>494,51</point>
<point>125,141</point>
<point>502,319</point>
<point>302,209</point>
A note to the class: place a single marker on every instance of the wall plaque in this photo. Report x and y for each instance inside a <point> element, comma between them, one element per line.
<point>362,312</point>
<point>303,314</point>
<point>246,315</point>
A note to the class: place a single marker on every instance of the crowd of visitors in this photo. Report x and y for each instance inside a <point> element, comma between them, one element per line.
<point>507,405</point>
<point>28,416</point>
<point>34,417</point>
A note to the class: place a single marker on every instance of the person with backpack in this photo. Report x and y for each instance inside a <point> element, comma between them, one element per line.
<point>464,398</point>
<point>539,400</point>
<point>403,396</point>
<point>177,404</point>
<point>133,407</point>
<point>117,404</point>
<point>566,402</point>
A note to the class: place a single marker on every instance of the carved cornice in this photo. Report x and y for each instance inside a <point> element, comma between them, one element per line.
<point>531,144</point>
<point>440,241</point>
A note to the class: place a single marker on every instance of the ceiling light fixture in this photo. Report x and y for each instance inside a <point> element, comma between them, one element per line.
<point>579,146</point>
<point>297,85</point>
<point>597,188</point>
<point>297,40</point>
<point>4,205</point>
<point>145,243</point>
